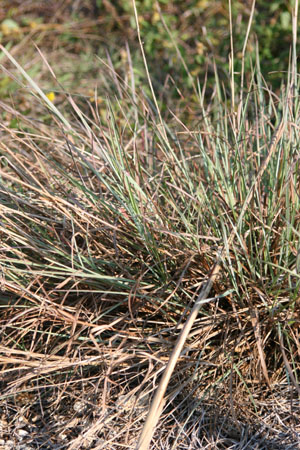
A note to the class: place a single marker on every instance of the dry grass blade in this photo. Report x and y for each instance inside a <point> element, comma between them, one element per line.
<point>257,334</point>
<point>157,403</point>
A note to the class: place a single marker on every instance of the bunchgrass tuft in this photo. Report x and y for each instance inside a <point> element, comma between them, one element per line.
<point>113,214</point>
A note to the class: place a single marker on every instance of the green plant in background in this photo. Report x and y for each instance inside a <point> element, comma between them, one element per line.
<point>196,32</point>
<point>201,31</point>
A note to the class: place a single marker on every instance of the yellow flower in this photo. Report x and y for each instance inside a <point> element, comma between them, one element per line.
<point>50,96</point>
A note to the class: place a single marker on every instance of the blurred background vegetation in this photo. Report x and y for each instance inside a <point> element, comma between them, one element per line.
<point>199,28</point>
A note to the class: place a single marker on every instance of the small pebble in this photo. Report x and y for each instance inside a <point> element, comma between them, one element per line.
<point>22,433</point>
<point>79,406</point>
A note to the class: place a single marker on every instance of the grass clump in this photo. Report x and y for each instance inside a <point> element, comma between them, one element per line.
<point>113,214</point>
